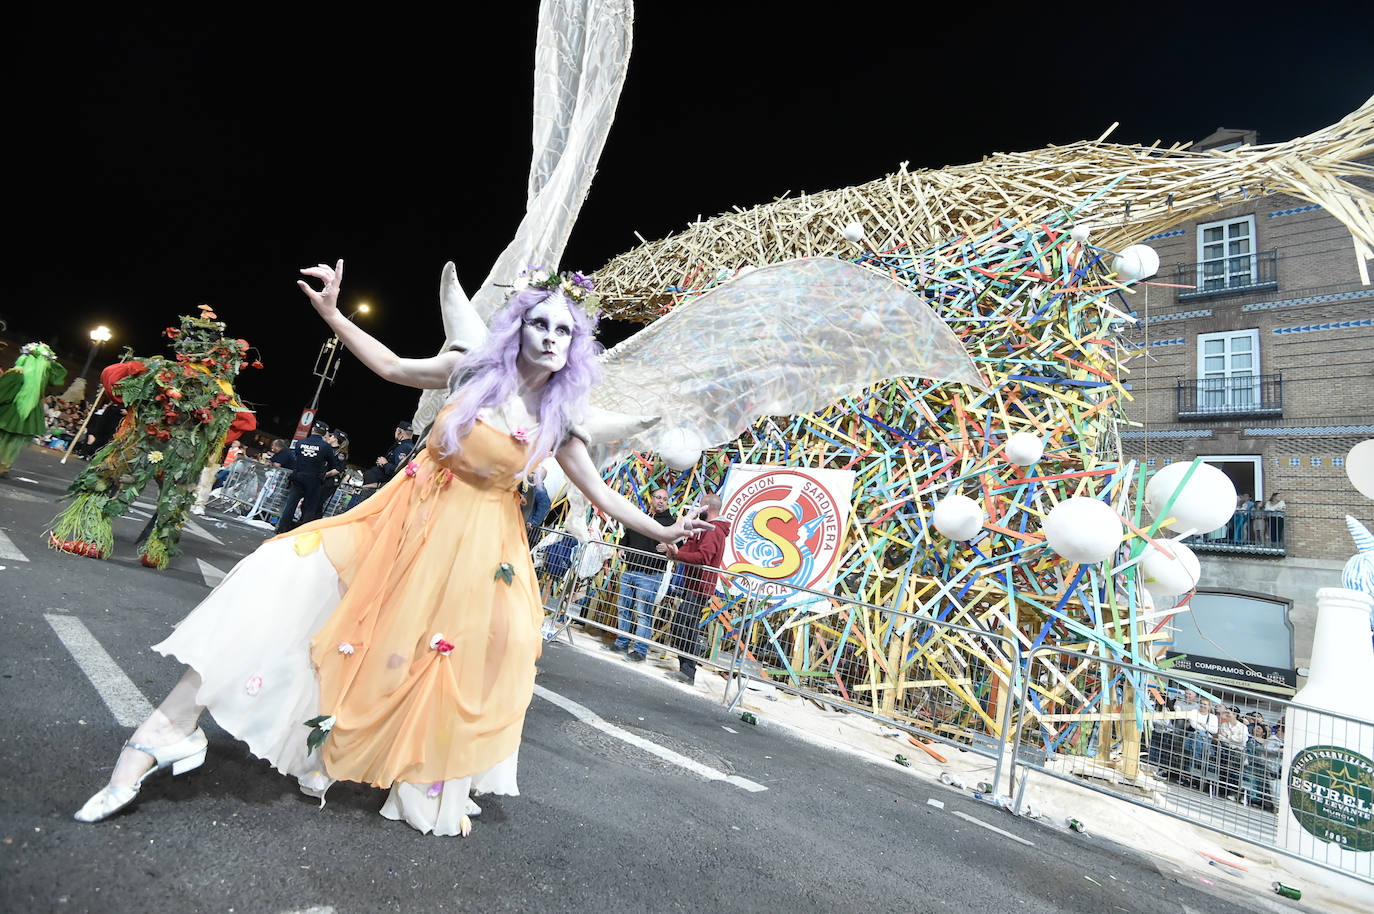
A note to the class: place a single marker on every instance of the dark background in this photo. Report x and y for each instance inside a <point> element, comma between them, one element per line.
<point>162,160</point>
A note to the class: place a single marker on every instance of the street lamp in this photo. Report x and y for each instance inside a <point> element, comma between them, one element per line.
<point>99,336</point>
<point>327,362</point>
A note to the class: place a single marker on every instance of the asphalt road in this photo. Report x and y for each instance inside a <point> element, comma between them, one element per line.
<point>602,823</point>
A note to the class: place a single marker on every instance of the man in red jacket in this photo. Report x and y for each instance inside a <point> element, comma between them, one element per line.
<point>702,551</point>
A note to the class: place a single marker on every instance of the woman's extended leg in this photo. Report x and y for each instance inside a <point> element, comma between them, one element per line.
<point>169,738</point>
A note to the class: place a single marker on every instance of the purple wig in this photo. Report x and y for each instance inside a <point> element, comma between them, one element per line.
<point>487,377</point>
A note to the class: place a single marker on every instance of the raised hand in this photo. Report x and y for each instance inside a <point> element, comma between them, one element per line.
<point>326,301</point>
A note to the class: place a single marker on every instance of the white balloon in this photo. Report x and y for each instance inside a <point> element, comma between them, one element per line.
<point>957,517</point>
<point>680,448</point>
<point>1359,466</point>
<point>1137,262</point>
<point>1170,577</point>
<point>1080,232</point>
<point>1023,449</point>
<point>1083,530</point>
<point>1204,505</point>
<point>854,232</point>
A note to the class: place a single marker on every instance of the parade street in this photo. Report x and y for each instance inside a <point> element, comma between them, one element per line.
<point>638,794</point>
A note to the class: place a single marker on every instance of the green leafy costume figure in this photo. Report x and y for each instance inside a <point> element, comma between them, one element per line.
<point>181,414</point>
<point>21,399</point>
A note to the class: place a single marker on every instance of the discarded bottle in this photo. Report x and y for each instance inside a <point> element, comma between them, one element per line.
<point>951,780</point>
<point>749,718</point>
<point>1073,824</point>
<point>984,787</point>
<point>1287,891</point>
<point>903,760</point>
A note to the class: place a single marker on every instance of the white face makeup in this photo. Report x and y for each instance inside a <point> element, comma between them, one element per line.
<point>546,335</point>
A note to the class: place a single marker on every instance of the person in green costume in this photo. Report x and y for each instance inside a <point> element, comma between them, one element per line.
<point>21,399</point>
<point>182,413</point>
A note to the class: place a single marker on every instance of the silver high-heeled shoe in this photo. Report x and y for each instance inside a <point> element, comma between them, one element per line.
<point>181,757</point>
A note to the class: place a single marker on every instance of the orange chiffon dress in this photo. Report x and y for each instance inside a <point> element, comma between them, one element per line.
<point>413,620</point>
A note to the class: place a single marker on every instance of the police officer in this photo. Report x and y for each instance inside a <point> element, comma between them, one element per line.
<point>334,476</point>
<point>391,462</point>
<point>314,457</point>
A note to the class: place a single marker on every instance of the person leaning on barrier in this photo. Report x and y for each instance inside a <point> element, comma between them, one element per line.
<point>281,455</point>
<point>1202,724</point>
<point>639,583</point>
<point>1231,737</point>
<point>701,556</point>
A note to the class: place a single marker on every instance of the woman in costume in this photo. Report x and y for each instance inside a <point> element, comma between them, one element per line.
<point>408,652</point>
<point>21,394</point>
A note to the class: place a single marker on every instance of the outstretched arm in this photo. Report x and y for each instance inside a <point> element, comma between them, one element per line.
<point>577,463</point>
<point>422,373</point>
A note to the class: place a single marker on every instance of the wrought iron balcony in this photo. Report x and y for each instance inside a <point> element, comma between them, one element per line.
<point>1243,273</point>
<point>1231,397</point>
<point>1252,531</point>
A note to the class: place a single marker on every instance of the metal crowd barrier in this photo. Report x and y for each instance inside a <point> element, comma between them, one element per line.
<point>1133,733</point>
<point>884,664</point>
<point>256,491</point>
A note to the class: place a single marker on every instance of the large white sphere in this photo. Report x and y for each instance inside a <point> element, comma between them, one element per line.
<point>1137,262</point>
<point>854,233</point>
<point>1083,530</point>
<point>1359,466</point>
<point>1023,449</point>
<point>680,448</point>
<point>957,517</point>
<point>1080,232</point>
<point>1170,577</point>
<point>1204,505</point>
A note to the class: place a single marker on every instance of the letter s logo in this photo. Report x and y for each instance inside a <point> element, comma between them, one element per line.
<point>791,556</point>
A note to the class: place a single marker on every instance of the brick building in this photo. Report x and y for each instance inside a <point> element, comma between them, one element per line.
<point>1262,363</point>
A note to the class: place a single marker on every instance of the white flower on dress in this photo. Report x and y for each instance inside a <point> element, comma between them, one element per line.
<point>327,724</point>
<point>254,685</point>
<point>434,642</point>
<point>345,647</point>
<point>540,276</point>
<point>522,282</point>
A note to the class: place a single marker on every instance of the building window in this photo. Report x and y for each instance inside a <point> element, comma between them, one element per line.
<point>1150,462</point>
<point>1295,461</point>
<point>1228,371</point>
<point>1226,254</point>
<point>1338,461</point>
<point>1316,461</point>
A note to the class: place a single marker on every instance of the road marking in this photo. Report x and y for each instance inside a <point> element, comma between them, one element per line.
<point>981,824</point>
<point>10,551</point>
<point>27,479</point>
<point>590,717</point>
<point>120,695</point>
<point>193,527</point>
<point>17,495</point>
<point>936,803</point>
<point>210,573</point>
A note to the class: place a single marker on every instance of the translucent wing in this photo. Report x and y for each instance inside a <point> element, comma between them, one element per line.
<point>785,339</point>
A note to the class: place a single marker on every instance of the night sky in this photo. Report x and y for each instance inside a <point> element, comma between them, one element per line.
<point>159,162</point>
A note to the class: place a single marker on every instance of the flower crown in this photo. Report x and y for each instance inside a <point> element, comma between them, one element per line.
<point>573,286</point>
<point>38,349</point>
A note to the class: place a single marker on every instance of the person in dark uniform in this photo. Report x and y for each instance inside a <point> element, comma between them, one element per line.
<point>390,463</point>
<point>333,476</point>
<point>314,457</point>
<point>281,455</point>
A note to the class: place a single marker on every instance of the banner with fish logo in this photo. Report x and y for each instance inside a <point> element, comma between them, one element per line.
<point>787,524</point>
